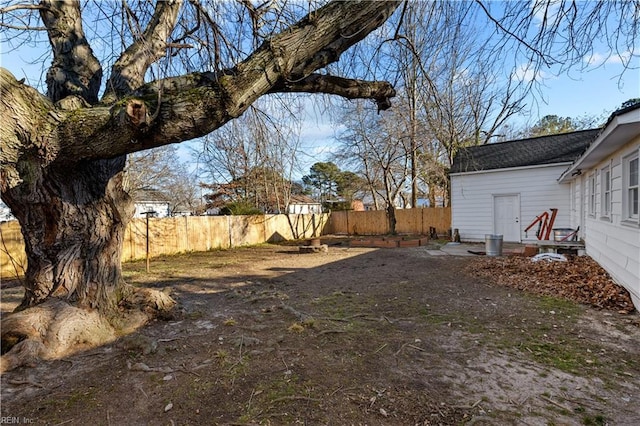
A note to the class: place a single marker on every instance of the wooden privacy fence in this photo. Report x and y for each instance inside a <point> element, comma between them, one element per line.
<point>202,233</point>
<point>180,234</point>
<point>13,260</point>
<point>375,222</point>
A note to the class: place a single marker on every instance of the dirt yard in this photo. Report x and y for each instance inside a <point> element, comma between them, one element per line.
<point>355,336</point>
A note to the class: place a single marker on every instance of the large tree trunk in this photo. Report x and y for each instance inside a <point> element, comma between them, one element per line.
<point>73,221</point>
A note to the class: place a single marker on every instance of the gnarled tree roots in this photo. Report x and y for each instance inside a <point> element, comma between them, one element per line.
<point>55,328</point>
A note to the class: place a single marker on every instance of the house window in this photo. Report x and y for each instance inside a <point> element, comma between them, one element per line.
<point>592,194</point>
<point>605,189</point>
<point>630,188</point>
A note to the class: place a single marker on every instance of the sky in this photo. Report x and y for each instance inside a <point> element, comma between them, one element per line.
<point>595,91</point>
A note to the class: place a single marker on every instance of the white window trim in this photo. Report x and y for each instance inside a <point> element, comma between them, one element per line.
<point>627,218</point>
<point>572,200</point>
<point>591,195</point>
<point>605,192</point>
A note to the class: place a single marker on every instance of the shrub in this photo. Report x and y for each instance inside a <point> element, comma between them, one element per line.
<point>239,208</point>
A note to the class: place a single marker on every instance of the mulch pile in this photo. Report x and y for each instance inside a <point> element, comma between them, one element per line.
<point>580,279</point>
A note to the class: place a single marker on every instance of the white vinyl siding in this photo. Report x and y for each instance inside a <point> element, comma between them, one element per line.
<point>159,209</point>
<point>472,199</point>
<point>576,210</point>
<point>304,209</point>
<point>615,243</point>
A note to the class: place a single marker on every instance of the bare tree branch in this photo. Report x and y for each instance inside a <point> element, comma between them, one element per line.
<point>5,12</point>
<point>196,104</point>
<point>498,24</point>
<point>74,70</point>
<point>129,70</point>
<point>23,6</point>
<point>199,100</point>
<point>379,91</point>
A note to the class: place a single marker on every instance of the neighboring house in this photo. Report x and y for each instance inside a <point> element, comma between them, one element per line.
<point>425,202</point>
<point>151,200</point>
<point>302,204</point>
<point>5,213</point>
<point>145,200</point>
<point>369,203</point>
<point>182,210</point>
<point>501,188</point>
<point>604,198</point>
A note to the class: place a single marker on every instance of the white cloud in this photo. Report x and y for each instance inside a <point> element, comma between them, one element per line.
<point>526,74</point>
<point>597,59</point>
<point>594,59</point>
<point>314,130</point>
<point>545,10</point>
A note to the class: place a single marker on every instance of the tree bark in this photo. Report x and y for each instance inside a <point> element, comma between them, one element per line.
<point>75,71</point>
<point>73,221</point>
<point>391,217</point>
<point>73,216</point>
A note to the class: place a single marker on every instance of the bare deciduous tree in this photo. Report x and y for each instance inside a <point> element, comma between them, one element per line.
<point>258,151</point>
<point>462,69</point>
<point>174,71</point>
<point>371,146</point>
<point>161,169</point>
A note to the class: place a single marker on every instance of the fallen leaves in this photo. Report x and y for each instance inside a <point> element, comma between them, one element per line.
<point>580,279</point>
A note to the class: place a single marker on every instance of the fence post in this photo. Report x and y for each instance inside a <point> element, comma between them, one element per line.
<point>313,225</point>
<point>348,229</point>
<point>147,214</point>
<point>186,232</point>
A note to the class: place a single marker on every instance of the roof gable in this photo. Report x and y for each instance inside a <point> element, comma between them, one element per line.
<point>302,199</point>
<point>622,127</point>
<point>542,150</point>
<point>150,195</point>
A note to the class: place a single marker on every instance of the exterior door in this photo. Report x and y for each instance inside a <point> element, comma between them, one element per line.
<point>506,216</point>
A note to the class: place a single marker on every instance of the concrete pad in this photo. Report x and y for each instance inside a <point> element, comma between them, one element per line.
<point>436,253</point>
<point>462,249</point>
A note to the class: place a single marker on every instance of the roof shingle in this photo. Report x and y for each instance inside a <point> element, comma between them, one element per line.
<point>552,149</point>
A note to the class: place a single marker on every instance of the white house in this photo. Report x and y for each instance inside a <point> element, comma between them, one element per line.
<point>5,213</point>
<point>302,204</point>
<point>151,200</point>
<point>501,188</point>
<point>146,200</point>
<point>604,198</point>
